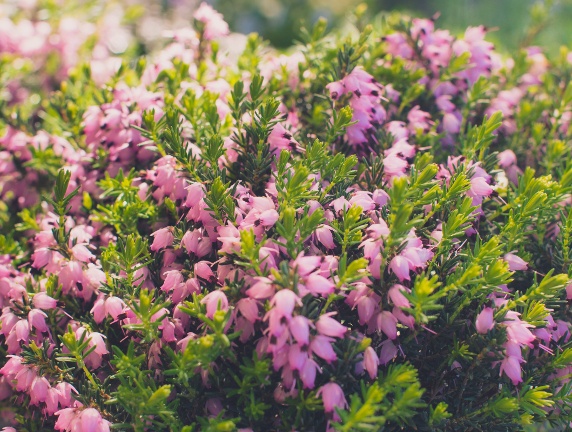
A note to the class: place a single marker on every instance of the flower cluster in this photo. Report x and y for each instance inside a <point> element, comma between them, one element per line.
<point>362,233</point>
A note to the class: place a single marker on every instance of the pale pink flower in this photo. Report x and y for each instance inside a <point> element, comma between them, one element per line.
<point>91,421</point>
<point>485,321</point>
<point>39,390</point>
<point>515,263</point>
<point>215,300</point>
<point>371,362</point>
<point>387,323</point>
<point>511,367</point>
<point>325,237</point>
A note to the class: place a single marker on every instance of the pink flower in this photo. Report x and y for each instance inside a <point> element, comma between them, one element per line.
<point>39,390</point>
<point>215,26</point>
<point>284,302</point>
<point>366,306</point>
<point>203,270</point>
<point>82,253</point>
<point>451,123</point>
<point>333,397</point>
<point>174,279</point>
<point>65,393</point>
<point>515,263</point>
<point>44,301</point>
<point>37,319</point>
<point>300,329</point>
<point>24,379</point>
<point>387,323</point>
<point>506,158</point>
<point>215,300</point>
<point>328,326</point>
<point>98,310</point>
<point>261,289</point>
<point>308,373</point>
<point>297,357</point>
<point>91,421</point>
<point>195,243</point>
<point>280,139</point>
<point>163,238</point>
<point>319,285</point>
<point>511,367</point>
<point>324,236</point>
<point>388,352</point>
<point>67,418</point>
<point>336,89</point>
<point>51,401</point>
<point>395,294</point>
<point>400,266</point>
<point>371,362</point>
<point>480,187</point>
<point>322,347</point>
<point>114,306</point>
<point>248,308</point>
<point>22,329</point>
<point>485,321</point>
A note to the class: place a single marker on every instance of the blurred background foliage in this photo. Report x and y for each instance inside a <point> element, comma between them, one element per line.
<point>516,22</point>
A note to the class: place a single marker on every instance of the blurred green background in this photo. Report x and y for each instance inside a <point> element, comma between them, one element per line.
<point>279,20</point>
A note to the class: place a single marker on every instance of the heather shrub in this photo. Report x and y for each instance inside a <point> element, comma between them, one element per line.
<point>370,231</point>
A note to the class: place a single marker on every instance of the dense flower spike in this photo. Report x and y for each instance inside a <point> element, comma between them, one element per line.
<point>363,232</point>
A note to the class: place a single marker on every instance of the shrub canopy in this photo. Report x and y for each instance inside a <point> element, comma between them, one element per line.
<point>371,231</point>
